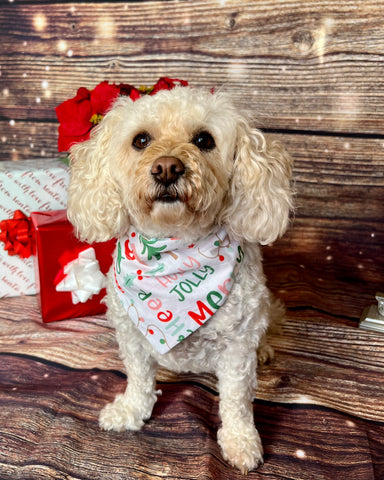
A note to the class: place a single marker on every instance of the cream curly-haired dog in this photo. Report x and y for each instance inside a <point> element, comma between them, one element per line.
<point>185,166</point>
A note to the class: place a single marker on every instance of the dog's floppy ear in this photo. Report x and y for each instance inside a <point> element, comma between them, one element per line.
<point>94,204</point>
<point>260,190</point>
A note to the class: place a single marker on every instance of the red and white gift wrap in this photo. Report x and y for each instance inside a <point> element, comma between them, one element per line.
<point>69,274</point>
<point>27,186</point>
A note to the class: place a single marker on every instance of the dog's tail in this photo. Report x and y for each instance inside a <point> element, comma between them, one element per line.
<point>265,352</point>
<point>276,316</point>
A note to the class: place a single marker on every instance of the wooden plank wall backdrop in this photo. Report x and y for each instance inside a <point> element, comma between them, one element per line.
<point>311,72</point>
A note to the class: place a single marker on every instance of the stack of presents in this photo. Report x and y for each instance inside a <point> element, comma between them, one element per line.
<point>39,252</point>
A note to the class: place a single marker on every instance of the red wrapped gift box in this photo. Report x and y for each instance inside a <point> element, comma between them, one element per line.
<point>56,245</point>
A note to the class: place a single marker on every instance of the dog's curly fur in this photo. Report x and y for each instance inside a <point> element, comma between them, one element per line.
<point>243,182</point>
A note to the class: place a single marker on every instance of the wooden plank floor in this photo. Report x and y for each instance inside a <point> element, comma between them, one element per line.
<point>319,406</point>
<point>55,433</point>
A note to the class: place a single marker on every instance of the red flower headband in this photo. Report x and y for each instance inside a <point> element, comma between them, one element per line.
<point>78,115</point>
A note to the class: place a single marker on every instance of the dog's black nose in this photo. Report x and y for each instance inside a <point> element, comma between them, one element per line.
<point>167,170</point>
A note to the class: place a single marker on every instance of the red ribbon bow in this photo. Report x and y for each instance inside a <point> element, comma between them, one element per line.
<point>16,234</point>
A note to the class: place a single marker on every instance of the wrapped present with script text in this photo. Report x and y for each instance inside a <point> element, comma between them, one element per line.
<point>25,186</point>
<point>70,275</point>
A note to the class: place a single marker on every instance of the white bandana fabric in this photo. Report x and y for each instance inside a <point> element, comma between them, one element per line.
<point>170,288</point>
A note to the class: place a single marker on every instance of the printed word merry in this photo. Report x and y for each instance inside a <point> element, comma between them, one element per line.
<point>214,300</point>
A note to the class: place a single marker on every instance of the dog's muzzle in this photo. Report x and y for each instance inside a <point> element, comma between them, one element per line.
<point>166,171</point>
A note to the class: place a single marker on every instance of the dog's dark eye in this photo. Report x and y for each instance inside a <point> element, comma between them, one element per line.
<point>141,141</point>
<point>204,141</point>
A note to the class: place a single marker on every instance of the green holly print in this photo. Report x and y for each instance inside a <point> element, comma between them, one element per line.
<point>119,258</point>
<point>150,249</point>
<point>159,269</point>
<point>128,280</point>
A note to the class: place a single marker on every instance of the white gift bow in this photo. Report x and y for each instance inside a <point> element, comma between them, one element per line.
<point>83,277</point>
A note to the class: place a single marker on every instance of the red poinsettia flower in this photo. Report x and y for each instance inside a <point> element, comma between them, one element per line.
<point>74,116</point>
<point>102,97</point>
<point>165,83</point>
<point>129,91</point>
<point>77,116</point>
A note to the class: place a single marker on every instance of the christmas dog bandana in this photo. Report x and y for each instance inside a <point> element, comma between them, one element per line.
<point>170,288</point>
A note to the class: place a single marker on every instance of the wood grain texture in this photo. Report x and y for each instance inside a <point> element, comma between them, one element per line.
<point>81,343</point>
<point>335,267</point>
<point>319,361</point>
<point>298,65</point>
<point>334,175</point>
<point>57,436</point>
<point>309,71</point>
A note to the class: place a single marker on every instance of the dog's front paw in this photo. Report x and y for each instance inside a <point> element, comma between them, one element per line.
<point>120,415</point>
<point>241,448</point>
